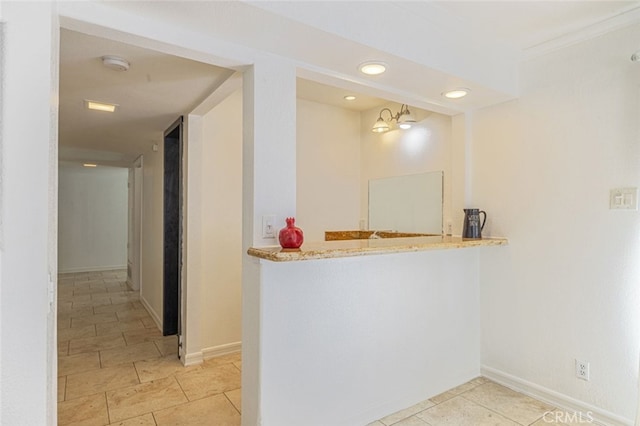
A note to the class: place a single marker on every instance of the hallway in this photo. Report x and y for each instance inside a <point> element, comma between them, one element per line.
<point>116,368</point>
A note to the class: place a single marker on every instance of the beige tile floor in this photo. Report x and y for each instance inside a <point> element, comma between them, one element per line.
<point>115,368</point>
<point>479,402</point>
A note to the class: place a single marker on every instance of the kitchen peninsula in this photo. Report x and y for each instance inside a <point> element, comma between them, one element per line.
<point>351,331</point>
<point>369,246</point>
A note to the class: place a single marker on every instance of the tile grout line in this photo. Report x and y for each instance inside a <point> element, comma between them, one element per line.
<point>100,359</point>
<point>231,402</point>
<point>137,372</point>
<point>173,375</point>
<point>106,401</point>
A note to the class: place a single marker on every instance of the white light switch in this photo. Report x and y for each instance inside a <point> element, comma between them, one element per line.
<point>269,226</point>
<point>623,199</point>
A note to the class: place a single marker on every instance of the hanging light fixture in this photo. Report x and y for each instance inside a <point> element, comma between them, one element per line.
<point>404,119</point>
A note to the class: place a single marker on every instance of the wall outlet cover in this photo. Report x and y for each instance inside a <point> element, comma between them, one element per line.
<point>582,370</point>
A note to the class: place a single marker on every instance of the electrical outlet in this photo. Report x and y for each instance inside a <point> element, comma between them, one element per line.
<point>582,370</point>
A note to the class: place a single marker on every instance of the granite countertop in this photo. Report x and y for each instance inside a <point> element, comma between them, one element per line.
<point>362,235</point>
<point>365,247</point>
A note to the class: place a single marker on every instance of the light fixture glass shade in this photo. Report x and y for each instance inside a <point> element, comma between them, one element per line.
<point>406,120</point>
<point>380,126</point>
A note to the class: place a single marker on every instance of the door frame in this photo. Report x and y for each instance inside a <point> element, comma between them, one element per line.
<point>134,255</point>
<point>173,223</point>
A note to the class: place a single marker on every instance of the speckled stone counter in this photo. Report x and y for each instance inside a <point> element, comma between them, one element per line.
<point>363,235</point>
<point>365,247</point>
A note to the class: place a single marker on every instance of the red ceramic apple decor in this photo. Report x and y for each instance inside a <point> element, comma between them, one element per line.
<point>291,236</point>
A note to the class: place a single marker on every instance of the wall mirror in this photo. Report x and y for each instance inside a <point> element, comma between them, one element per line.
<point>411,203</point>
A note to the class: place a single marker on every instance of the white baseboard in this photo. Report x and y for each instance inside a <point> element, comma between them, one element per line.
<point>212,352</point>
<point>557,399</point>
<point>154,315</point>
<point>193,359</point>
<point>92,269</point>
<point>220,350</point>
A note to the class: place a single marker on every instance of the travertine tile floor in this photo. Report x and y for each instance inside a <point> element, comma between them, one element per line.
<point>479,402</point>
<point>115,368</point>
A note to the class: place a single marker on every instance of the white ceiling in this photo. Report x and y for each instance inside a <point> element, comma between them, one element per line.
<point>527,24</point>
<point>328,39</point>
<point>151,95</point>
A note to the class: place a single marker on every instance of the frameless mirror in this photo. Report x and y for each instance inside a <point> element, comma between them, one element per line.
<point>411,203</point>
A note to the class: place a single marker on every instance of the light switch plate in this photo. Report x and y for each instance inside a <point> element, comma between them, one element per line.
<point>623,199</point>
<point>269,226</point>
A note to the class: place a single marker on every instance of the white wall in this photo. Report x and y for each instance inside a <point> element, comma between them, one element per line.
<point>221,221</point>
<point>268,139</point>
<point>567,285</point>
<point>328,169</point>
<point>93,204</point>
<point>28,214</point>
<point>152,231</point>
<point>347,341</point>
<point>335,162</point>
<point>426,147</point>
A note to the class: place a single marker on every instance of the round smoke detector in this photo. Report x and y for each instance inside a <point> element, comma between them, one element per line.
<point>115,63</point>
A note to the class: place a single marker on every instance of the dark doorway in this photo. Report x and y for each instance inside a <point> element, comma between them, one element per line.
<point>172,264</point>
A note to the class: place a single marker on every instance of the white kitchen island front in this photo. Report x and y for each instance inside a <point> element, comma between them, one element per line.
<point>347,340</point>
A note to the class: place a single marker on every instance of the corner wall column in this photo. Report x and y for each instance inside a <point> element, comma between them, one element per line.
<point>28,209</point>
<point>269,188</point>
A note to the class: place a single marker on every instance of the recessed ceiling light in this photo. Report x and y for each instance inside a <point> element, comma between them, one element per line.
<point>349,98</point>
<point>373,68</point>
<point>456,93</point>
<point>99,106</point>
<point>90,165</point>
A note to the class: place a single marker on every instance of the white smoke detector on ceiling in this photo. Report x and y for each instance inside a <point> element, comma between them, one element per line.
<point>115,63</point>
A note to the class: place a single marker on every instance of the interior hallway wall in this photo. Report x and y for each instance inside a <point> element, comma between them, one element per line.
<point>221,222</point>
<point>152,231</point>
<point>217,248</point>
<point>92,219</point>
<point>566,287</point>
